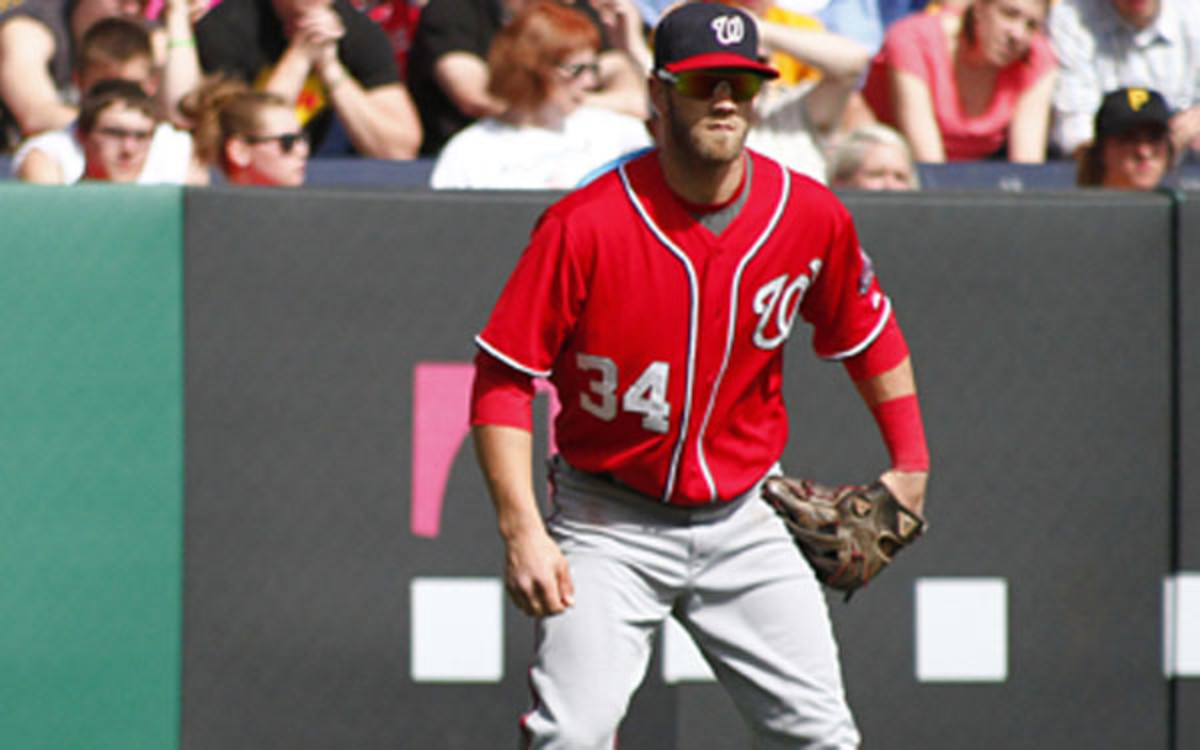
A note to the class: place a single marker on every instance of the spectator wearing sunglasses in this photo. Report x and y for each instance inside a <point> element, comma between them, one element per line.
<point>326,57</point>
<point>251,137</point>
<point>115,48</point>
<point>116,123</point>
<point>448,61</point>
<point>541,67</point>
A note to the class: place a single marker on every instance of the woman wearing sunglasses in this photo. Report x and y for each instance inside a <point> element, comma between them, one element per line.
<point>541,65</point>
<point>252,137</point>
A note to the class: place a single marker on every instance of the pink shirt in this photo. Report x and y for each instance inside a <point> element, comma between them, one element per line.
<point>917,45</point>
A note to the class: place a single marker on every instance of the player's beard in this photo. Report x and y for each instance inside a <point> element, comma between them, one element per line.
<point>710,148</point>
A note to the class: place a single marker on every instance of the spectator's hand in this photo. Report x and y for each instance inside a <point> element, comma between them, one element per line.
<point>316,34</point>
<point>1185,131</point>
<point>622,22</point>
<point>193,10</point>
<point>196,9</point>
<point>190,9</point>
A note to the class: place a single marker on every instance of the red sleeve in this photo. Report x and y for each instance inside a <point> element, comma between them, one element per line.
<point>887,351</point>
<point>501,395</point>
<point>541,301</point>
<point>845,305</point>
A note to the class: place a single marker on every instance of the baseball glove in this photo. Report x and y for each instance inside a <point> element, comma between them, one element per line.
<point>848,533</point>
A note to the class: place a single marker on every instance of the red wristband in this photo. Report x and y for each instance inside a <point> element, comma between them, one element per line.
<point>899,421</point>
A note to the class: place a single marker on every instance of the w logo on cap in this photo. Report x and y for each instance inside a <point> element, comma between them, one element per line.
<point>1137,98</point>
<point>729,30</point>
<point>705,36</point>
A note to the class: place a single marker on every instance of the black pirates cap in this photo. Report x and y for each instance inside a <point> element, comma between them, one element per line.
<point>704,36</point>
<point>1129,109</point>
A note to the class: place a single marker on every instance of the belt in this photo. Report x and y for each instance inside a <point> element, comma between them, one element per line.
<point>604,486</point>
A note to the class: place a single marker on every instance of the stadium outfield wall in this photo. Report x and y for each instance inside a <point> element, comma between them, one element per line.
<point>239,508</point>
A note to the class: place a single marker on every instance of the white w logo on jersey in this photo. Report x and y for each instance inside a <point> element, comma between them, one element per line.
<point>776,304</point>
<point>728,29</point>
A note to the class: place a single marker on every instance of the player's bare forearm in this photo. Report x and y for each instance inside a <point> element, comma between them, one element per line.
<point>536,573</point>
<point>505,456</point>
<point>891,384</point>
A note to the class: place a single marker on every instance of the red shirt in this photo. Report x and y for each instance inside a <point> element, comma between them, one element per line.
<point>665,341</point>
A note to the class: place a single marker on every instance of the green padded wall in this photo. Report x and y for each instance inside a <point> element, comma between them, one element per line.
<point>91,466</point>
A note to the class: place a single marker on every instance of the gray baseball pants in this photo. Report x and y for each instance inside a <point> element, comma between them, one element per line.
<point>731,576</point>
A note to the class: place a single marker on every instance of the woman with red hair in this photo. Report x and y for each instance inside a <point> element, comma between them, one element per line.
<point>542,65</point>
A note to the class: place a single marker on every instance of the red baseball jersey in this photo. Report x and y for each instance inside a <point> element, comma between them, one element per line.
<point>665,341</point>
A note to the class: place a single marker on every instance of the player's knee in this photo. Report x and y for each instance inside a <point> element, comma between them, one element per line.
<point>590,727</point>
<point>832,730</point>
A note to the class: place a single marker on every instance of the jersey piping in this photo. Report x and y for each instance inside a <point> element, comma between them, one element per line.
<point>735,290</point>
<point>870,338</point>
<point>693,337</point>
<point>693,326</point>
<point>532,372</point>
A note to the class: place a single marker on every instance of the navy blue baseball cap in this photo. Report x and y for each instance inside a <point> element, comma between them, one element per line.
<point>1129,109</point>
<point>705,36</point>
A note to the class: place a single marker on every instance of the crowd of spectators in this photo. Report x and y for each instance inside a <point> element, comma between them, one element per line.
<point>540,93</point>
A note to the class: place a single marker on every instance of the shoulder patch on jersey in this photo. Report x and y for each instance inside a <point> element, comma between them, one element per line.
<point>868,272</point>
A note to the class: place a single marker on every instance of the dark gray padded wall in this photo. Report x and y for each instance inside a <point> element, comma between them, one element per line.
<point>1187,696</point>
<point>1039,327</point>
<point>307,313</point>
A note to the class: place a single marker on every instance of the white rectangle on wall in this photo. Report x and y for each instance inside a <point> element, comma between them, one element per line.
<point>1181,624</point>
<point>962,630</point>
<point>457,629</point>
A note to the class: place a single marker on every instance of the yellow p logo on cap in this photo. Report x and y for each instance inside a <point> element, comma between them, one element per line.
<point>1138,98</point>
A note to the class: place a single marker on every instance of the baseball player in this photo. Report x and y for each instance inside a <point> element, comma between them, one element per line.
<point>657,300</point>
